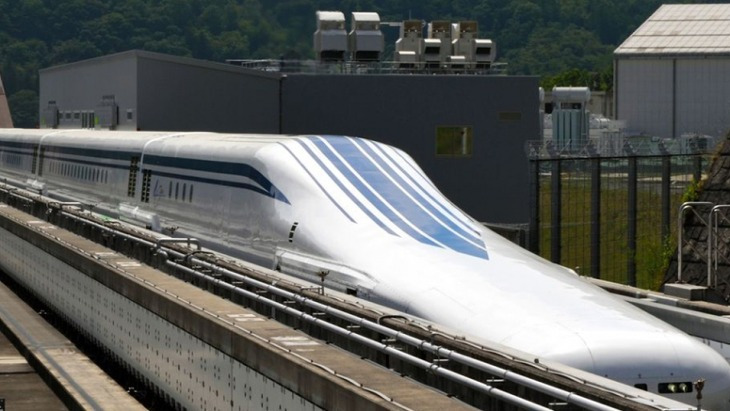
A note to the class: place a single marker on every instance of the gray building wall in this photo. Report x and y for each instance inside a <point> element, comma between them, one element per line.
<point>80,86</point>
<point>186,94</point>
<point>668,96</point>
<point>158,92</point>
<point>405,110</point>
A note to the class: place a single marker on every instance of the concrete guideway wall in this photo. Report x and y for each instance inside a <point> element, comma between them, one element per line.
<point>199,374</point>
<point>195,352</point>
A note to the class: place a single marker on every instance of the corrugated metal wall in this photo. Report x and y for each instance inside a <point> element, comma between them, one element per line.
<point>671,96</point>
<point>644,95</point>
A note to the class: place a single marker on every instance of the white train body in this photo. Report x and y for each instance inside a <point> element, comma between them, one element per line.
<point>366,214</point>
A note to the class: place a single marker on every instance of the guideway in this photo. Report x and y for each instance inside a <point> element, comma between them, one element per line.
<point>198,350</point>
<point>49,372</point>
<point>195,349</point>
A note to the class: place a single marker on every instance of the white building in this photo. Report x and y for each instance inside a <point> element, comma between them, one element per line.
<point>672,75</point>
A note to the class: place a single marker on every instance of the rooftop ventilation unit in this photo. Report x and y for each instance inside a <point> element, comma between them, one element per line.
<point>366,39</point>
<point>478,53</point>
<point>437,47</point>
<point>409,47</point>
<point>330,39</point>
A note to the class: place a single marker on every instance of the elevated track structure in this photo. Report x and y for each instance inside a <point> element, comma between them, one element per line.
<point>207,332</point>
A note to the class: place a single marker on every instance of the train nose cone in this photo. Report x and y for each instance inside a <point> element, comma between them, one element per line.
<point>667,363</point>
<point>662,361</point>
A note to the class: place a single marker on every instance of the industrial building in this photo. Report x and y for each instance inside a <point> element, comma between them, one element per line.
<point>467,131</point>
<point>672,75</point>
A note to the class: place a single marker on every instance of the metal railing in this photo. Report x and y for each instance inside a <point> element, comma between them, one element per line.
<point>609,217</point>
<point>364,67</point>
<point>712,225</point>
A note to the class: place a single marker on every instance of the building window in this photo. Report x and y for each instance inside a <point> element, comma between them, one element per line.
<point>454,141</point>
<point>510,116</point>
<point>77,115</point>
<point>130,115</point>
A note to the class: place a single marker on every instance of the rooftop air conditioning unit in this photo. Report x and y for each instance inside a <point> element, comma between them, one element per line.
<point>409,47</point>
<point>330,39</point>
<point>437,47</point>
<point>478,53</point>
<point>485,52</point>
<point>366,39</point>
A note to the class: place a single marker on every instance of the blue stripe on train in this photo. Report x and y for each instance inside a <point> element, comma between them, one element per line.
<point>392,196</point>
<point>441,216</point>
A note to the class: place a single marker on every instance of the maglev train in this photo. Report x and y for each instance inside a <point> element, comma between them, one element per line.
<point>364,214</point>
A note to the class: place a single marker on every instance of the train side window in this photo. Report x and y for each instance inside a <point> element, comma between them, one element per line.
<point>177,189</point>
<point>190,194</point>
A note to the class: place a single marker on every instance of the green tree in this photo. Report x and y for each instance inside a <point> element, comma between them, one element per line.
<point>24,108</point>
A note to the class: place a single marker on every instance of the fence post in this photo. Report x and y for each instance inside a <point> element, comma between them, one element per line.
<point>697,168</point>
<point>555,210</point>
<point>631,223</point>
<point>596,217</point>
<point>666,199</point>
<point>533,229</point>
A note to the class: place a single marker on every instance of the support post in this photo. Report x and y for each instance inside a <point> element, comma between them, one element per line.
<point>631,220</point>
<point>555,211</point>
<point>533,230</point>
<point>665,197</point>
<point>697,168</point>
<point>596,217</point>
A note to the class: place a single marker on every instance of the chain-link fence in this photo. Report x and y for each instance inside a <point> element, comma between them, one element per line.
<point>610,217</point>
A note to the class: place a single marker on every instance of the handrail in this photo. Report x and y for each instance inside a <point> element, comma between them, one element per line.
<point>689,205</point>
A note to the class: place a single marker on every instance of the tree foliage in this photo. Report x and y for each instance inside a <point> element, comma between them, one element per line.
<point>537,37</point>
